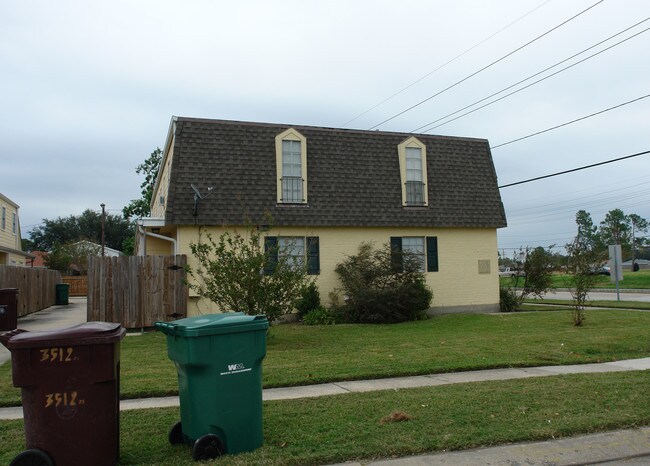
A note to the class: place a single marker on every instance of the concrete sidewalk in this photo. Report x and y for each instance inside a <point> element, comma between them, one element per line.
<point>359,386</point>
<point>630,447</point>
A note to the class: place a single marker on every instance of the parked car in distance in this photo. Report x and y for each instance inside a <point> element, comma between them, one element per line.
<point>511,272</point>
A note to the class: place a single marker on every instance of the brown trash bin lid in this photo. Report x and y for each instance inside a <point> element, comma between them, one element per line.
<point>88,333</point>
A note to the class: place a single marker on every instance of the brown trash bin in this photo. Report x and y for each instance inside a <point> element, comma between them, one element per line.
<point>70,383</point>
<point>8,308</point>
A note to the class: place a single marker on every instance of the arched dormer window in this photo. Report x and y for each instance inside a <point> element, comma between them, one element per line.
<point>413,172</point>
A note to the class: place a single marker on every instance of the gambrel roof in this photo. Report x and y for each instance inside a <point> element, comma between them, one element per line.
<point>353,178</point>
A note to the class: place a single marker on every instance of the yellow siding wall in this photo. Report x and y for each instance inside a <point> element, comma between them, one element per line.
<point>158,209</point>
<point>456,286</point>
<point>159,247</point>
<point>7,238</point>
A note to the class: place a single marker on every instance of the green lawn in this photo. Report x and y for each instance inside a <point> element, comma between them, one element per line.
<point>348,427</point>
<point>299,355</point>
<point>631,280</point>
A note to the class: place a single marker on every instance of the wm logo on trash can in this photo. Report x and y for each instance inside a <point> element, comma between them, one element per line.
<point>236,369</point>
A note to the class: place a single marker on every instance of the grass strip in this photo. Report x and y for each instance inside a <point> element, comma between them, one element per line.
<point>349,427</point>
<point>631,280</point>
<point>303,355</point>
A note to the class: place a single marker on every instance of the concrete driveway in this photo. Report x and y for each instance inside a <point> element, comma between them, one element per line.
<point>51,318</point>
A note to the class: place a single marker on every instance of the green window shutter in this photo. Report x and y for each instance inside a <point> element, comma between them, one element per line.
<point>271,250</point>
<point>432,254</point>
<point>396,254</point>
<point>313,255</point>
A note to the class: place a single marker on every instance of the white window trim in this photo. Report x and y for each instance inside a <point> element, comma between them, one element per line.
<point>401,153</point>
<point>291,135</point>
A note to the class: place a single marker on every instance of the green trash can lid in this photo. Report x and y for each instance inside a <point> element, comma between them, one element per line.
<point>213,324</point>
<point>88,333</point>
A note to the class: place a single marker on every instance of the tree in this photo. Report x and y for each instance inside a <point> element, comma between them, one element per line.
<point>237,274</point>
<point>65,257</point>
<point>149,168</point>
<point>86,226</point>
<point>615,229</point>
<point>585,256</point>
<point>638,225</point>
<point>582,263</point>
<point>587,235</point>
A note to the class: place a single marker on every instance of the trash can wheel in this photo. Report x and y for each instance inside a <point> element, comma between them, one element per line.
<point>33,457</point>
<point>176,434</point>
<point>207,447</point>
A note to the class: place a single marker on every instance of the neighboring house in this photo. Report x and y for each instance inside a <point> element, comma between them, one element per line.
<point>38,260</point>
<point>96,249</point>
<point>11,251</point>
<point>327,191</point>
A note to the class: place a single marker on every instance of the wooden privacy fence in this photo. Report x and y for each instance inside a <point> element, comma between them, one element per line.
<point>78,285</point>
<point>137,291</point>
<point>37,287</point>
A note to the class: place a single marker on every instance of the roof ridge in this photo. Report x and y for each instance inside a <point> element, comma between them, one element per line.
<point>325,128</point>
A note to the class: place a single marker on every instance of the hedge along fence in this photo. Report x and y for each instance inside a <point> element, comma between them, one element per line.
<point>37,287</point>
<point>137,291</point>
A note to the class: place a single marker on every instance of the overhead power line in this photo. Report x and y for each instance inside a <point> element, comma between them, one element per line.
<point>575,169</point>
<point>487,66</point>
<point>444,64</point>
<point>531,77</point>
<point>570,122</point>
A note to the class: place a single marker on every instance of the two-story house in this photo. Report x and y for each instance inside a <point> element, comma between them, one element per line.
<point>11,252</point>
<point>328,190</point>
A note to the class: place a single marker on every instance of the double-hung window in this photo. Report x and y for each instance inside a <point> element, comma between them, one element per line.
<point>423,249</point>
<point>291,166</point>
<point>4,217</point>
<point>413,172</point>
<point>414,183</point>
<point>291,172</point>
<point>297,251</point>
<point>14,226</point>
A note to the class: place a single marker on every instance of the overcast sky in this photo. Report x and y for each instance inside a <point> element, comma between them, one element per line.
<point>88,90</point>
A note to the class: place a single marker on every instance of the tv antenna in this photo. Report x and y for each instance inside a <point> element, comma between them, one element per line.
<point>198,196</point>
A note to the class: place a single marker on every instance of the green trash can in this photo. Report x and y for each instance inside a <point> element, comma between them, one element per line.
<point>219,362</point>
<point>62,293</point>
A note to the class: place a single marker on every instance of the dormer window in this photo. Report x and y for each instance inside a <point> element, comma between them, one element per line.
<point>413,172</point>
<point>291,164</point>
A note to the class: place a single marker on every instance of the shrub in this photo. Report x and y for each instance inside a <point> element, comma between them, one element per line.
<point>509,302</point>
<point>319,316</point>
<point>309,300</point>
<point>238,274</point>
<point>382,286</point>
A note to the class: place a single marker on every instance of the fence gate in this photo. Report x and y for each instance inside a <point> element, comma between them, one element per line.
<point>137,291</point>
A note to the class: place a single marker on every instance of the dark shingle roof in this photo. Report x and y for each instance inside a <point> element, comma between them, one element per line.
<point>353,178</point>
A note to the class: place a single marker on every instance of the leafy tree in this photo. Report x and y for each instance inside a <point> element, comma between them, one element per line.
<point>639,225</point>
<point>149,168</point>
<point>615,229</point>
<point>58,259</point>
<point>70,256</point>
<point>383,286</point>
<point>26,245</point>
<point>87,226</point>
<point>587,235</point>
<point>585,256</point>
<point>583,261</point>
<point>237,274</point>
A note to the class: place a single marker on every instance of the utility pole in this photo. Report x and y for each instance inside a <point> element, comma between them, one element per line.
<point>103,217</point>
